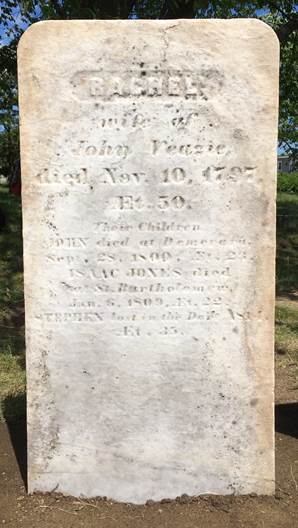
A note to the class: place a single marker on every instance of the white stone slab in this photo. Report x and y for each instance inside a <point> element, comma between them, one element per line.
<point>149,166</point>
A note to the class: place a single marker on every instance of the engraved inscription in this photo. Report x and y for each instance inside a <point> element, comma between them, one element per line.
<point>56,175</point>
<point>151,82</point>
<point>102,149</point>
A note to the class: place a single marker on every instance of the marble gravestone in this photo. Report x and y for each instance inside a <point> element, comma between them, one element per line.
<point>148,153</point>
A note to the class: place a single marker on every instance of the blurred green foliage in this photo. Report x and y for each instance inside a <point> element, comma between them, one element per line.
<point>287,182</point>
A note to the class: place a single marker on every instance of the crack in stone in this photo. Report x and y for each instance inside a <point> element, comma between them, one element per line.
<point>166,40</point>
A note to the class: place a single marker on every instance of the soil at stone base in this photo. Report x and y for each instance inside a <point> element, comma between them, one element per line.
<point>18,510</point>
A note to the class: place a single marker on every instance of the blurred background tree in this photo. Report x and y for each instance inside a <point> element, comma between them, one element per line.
<point>282,15</point>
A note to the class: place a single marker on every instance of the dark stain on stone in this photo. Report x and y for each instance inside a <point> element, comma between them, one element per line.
<point>239,134</point>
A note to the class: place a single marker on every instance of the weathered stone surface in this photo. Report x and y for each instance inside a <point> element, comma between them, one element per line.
<point>148,165</point>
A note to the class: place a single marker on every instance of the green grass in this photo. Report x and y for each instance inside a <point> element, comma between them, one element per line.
<point>12,387</point>
<point>287,203</point>
<point>287,244</point>
<point>286,329</point>
<point>12,347</point>
<point>286,339</point>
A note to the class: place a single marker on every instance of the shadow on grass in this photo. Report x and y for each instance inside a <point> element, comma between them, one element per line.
<point>286,419</point>
<point>16,406</point>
